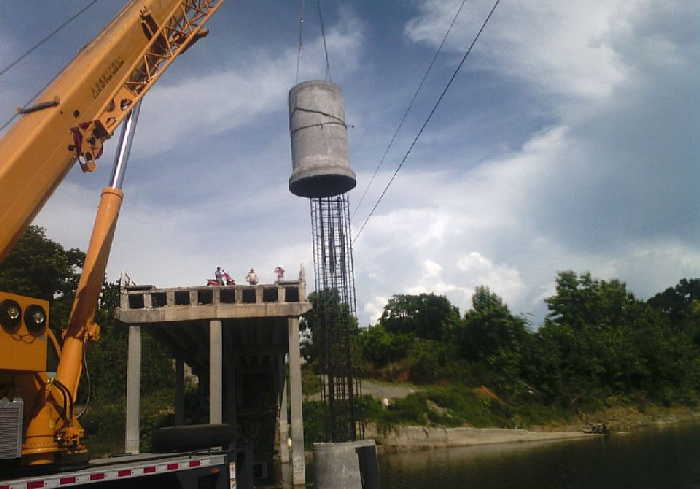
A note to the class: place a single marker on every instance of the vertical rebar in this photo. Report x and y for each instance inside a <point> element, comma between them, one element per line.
<point>335,287</point>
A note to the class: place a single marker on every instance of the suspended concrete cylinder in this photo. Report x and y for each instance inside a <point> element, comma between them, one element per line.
<point>320,166</point>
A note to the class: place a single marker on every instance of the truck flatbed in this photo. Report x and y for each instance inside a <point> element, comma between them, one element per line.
<point>137,469</point>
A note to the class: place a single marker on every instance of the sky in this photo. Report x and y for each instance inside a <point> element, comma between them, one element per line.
<point>567,142</point>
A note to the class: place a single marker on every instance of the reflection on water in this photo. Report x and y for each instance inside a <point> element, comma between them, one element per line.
<point>652,459</point>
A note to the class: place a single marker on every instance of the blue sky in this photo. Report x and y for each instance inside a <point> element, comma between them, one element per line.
<point>568,141</point>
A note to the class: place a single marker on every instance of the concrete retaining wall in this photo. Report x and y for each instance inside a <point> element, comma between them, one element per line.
<point>421,437</point>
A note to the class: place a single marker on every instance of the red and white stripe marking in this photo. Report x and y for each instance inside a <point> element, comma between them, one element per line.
<point>113,472</point>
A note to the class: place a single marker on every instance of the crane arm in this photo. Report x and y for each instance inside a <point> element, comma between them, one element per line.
<point>73,117</point>
<point>70,120</point>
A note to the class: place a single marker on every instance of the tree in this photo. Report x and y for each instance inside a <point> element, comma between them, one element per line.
<point>42,268</point>
<point>328,321</point>
<point>581,302</point>
<point>427,316</point>
<point>681,304</point>
<point>491,335</point>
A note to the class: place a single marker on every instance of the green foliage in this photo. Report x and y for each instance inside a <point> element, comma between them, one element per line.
<point>380,347</point>
<point>497,339</point>
<point>40,267</point>
<point>310,382</point>
<point>319,327</point>
<point>314,415</point>
<point>427,316</point>
<point>681,305</point>
<point>597,342</point>
<point>453,405</point>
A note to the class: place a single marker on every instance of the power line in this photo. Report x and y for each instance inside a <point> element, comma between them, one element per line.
<point>47,37</point>
<point>325,47</point>
<point>410,106</point>
<point>55,31</point>
<point>430,116</point>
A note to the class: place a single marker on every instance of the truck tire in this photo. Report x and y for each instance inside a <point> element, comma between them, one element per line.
<point>193,437</point>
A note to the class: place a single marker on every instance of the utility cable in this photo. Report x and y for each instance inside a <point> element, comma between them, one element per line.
<point>75,16</point>
<point>47,37</point>
<point>430,116</point>
<point>325,46</point>
<point>301,37</point>
<point>410,106</point>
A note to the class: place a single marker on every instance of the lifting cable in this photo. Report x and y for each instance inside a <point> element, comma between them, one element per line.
<point>325,46</point>
<point>36,46</point>
<point>301,38</point>
<point>430,116</point>
<point>408,109</point>
<point>300,48</point>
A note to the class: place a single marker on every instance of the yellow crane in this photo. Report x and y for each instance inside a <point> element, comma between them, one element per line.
<point>68,122</point>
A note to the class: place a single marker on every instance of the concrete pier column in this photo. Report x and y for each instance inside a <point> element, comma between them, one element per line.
<point>133,391</point>
<point>284,426</point>
<point>179,389</point>
<point>297,431</point>
<point>215,383</point>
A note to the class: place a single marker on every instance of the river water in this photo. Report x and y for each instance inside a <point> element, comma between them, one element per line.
<point>667,458</point>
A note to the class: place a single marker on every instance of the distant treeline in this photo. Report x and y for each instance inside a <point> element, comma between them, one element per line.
<point>597,341</point>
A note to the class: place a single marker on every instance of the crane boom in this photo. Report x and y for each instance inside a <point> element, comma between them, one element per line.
<point>70,120</point>
<point>82,107</point>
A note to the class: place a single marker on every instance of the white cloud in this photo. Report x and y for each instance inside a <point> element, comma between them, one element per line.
<point>171,247</point>
<point>561,48</point>
<point>502,279</point>
<point>216,102</point>
<point>374,308</point>
<point>432,269</point>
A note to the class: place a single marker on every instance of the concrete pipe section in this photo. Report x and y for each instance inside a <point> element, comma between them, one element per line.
<point>349,465</point>
<point>319,141</point>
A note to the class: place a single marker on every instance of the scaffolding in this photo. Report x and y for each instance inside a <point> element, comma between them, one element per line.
<point>335,308</point>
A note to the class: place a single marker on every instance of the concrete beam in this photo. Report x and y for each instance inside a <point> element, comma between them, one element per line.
<point>215,372</point>
<point>295,398</point>
<point>133,391</point>
<point>209,311</point>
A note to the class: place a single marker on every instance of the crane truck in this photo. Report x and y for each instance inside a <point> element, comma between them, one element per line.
<point>70,121</point>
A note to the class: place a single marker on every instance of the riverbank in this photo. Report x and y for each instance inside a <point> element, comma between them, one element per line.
<point>402,438</point>
<point>624,418</point>
<point>408,438</point>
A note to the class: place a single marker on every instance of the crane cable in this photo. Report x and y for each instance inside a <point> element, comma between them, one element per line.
<point>36,46</point>
<point>430,116</point>
<point>408,109</point>
<point>301,38</point>
<point>300,48</point>
<point>325,46</point>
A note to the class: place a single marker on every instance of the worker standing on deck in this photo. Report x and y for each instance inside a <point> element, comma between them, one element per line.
<point>219,275</point>
<point>252,277</point>
<point>279,271</point>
